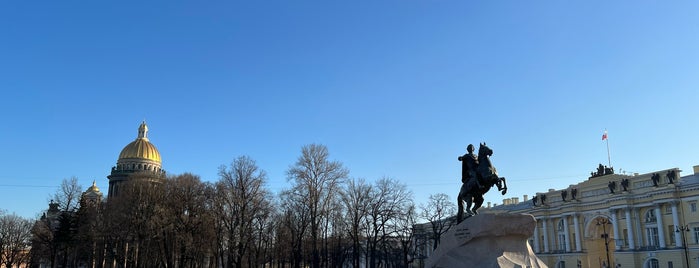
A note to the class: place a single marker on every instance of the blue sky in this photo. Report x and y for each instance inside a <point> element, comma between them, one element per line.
<point>392,88</point>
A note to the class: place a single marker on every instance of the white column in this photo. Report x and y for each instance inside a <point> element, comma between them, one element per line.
<point>629,229</point>
<point>578,243</point>
<point>676,222</point>
<point>567,233</point>
<point>536,239</point>
<point>615,225</point>
<point>546,235</point>
<point>661,228</point>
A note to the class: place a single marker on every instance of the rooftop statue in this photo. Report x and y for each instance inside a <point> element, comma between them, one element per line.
<point>478,176</point>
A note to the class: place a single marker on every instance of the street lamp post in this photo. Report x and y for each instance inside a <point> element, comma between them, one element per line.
<point>682,230</point>
<point>605,235</point>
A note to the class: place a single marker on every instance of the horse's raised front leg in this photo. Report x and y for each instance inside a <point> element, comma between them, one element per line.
<point>502,185</point>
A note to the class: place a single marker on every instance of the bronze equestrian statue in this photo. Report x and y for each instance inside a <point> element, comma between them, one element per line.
<point>478,176</point>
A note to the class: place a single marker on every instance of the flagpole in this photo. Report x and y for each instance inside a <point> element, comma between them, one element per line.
<point>609,158</point>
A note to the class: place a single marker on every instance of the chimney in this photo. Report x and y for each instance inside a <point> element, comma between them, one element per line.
<point>488,204</point>
<point>515,200</point>
<point>525,198</point>
<point>696,170</point>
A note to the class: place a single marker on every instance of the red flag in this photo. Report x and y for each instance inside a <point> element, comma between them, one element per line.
<point>604,136</point>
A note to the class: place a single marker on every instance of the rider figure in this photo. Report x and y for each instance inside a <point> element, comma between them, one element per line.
<point>469,165</point>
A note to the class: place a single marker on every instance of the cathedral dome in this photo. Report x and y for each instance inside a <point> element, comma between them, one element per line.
<point>141,148</point>
<point>92,195</point>
<point>93,188</point>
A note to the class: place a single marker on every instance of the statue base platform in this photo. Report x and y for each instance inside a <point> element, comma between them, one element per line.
<point>488,240</point>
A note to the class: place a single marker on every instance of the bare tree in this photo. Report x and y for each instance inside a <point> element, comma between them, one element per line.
<point>44,246</point>
<point>389,200</point>
<point>185,219</point>
<point>54,234</point>
<point>319,178</point>
<point>356,198</point>
<point>15,235</point>
<point>404,227</point>
<point>437,212</point>
<point>242,201</point>
<point>68,195</point>
<point>134,230</point>
<point>292,227</point>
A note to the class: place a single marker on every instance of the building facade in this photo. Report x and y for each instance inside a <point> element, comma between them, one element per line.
<point>611,220</point>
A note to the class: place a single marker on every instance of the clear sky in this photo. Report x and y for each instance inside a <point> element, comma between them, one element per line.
<point>392,88</point>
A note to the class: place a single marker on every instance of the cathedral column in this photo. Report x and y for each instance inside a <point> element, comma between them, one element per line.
<point>578,242</point>
<point>661,228</point>
<point>567,233</point>
<point>629,228</point>
<point>536,238</point>
<point>676,222</point>
<point>615,225</point>
<point>544,221</point>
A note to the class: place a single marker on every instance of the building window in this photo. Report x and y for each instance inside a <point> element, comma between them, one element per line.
<point>561,236</point>
<point>652,236</point>
<point>626,237</point>
<point>668,209</point>
<point>671,231</point>
<point>650,216</point>
<point>562,242</point>
<point>696,235</point>
<point>561,264</point>
<point>693,207</point>
<point>652,263</point>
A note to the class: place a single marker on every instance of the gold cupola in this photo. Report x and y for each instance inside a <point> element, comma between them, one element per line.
<point>139,160</point>
<point>93,188</point>
<point>141,148</point>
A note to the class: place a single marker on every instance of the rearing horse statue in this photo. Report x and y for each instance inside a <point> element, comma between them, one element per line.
<point>487,175</point>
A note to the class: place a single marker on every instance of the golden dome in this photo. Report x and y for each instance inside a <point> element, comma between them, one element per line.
<point>93,188</point>
<point>141,148</point>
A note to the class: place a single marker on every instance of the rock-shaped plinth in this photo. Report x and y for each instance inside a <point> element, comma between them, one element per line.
<point>488,240</point>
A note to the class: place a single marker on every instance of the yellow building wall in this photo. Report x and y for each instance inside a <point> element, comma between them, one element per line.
<point>595,202</point>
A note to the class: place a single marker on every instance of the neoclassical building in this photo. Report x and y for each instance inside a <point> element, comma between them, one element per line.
<point>139,160</point>
<point>609,220</point>
<point>612,220</point>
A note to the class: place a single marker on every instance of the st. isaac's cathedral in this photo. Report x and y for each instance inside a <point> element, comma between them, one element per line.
<point>139,160</point>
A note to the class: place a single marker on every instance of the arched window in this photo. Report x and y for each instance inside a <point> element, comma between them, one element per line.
<point>650,216</point>
<point>652,263</point>
<point>561,264</point>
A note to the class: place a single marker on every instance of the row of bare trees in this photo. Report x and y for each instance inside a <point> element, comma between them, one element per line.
<point>15,234</point>
<point>325,219</point>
